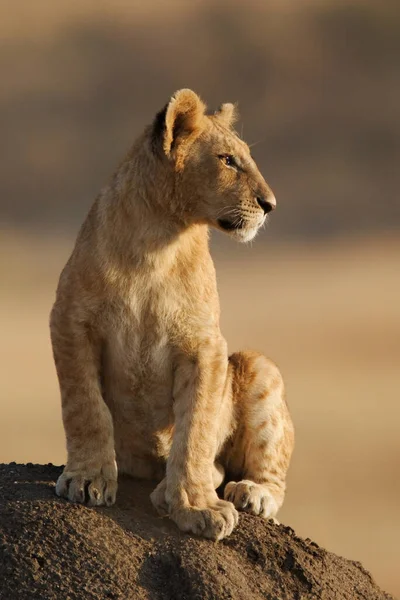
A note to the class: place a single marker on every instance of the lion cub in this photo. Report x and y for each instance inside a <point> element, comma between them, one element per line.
<point>147,386</point>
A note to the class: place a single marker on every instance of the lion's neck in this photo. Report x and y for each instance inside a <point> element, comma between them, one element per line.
<point>139,216</point>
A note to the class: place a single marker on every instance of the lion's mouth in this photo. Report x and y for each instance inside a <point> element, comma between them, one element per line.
<point>231,225</point>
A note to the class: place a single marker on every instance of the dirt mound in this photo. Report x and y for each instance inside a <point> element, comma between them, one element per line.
<point>51,549</point>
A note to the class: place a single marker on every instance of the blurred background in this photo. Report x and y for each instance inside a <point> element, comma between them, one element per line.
<point>318,87</point>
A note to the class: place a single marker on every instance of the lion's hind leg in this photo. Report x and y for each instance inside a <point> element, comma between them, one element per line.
<point>257,455</point>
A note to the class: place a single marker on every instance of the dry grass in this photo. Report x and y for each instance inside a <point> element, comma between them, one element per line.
<point>328,314</point>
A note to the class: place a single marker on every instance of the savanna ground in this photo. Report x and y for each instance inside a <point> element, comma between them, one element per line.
<point>328,313</point>
<point>126,552</point>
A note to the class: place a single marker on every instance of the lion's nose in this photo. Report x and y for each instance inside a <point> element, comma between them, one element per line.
<point>267,204</point>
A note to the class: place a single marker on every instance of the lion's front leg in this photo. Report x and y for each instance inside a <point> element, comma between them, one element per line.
<point>91,471</point>
<point>190,495</point>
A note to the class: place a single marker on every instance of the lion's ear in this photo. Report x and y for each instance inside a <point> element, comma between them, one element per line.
<point>227,113</point>
<point>180,119</point>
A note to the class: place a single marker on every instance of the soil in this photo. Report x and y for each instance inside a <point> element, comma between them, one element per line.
<point>52,549</point>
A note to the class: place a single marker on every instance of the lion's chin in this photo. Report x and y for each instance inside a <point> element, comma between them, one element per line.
<point>239,230</point>
<point>244,235</point>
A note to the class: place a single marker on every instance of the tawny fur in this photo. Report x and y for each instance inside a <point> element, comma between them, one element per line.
<point>146,382</point>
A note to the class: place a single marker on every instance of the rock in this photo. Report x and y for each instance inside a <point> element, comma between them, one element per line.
<point>51,549</point>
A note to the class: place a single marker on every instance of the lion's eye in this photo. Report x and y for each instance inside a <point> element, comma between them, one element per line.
<point>228,160</point>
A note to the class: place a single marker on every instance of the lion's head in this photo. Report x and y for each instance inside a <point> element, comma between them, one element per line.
<point>215,177</point>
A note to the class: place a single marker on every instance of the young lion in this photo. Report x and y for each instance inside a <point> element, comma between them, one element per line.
<point>145,378</point>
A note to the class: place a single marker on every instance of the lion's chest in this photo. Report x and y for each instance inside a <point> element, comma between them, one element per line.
<point>137,368</point>
<point>138,342</point>
<point>146,329</point>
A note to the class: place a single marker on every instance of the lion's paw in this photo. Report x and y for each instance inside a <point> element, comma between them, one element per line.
<point>97,487</point>
<point>158,500</point>
<point>214,523</point>
<point>251,497</point>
